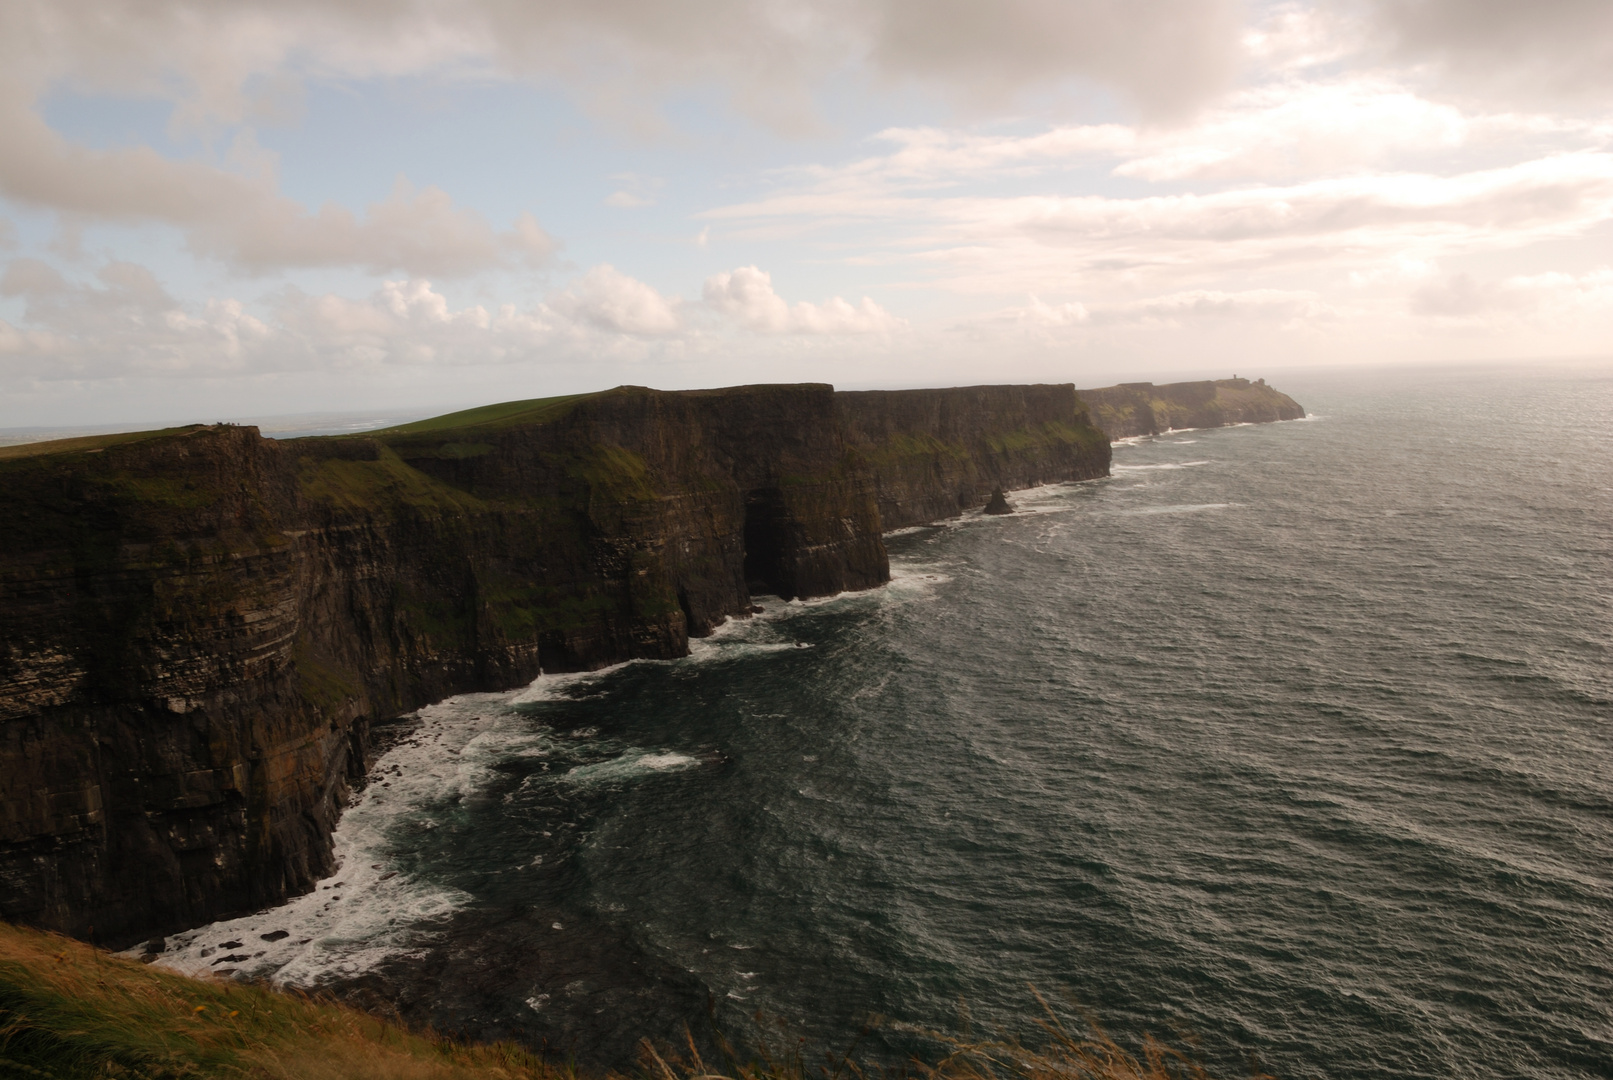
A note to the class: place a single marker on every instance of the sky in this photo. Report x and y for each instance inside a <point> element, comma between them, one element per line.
<point>211,210</point>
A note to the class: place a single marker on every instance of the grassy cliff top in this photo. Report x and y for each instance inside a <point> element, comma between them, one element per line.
<point>504,414</point>
<point>507,414</point>
<point>86,443</point>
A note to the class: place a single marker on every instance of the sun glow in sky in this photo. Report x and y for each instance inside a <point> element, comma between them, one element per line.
<point>232,209</point>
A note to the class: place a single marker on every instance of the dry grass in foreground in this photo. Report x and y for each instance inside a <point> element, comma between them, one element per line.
<point>72,1012</point>
<point>1059,1056</point>
<point>68,1010</point>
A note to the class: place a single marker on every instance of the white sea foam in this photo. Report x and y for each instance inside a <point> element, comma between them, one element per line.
<point>735,638</point>
<point>1162,465</point>
<point>1184,508</point>
<point>631,765</point>
<point>370,910</point>
<point>562,686</point>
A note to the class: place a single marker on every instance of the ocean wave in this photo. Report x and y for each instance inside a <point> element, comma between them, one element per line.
<point>1182,508</point>
<point>631,765</point>
<point>370,909</point>
<point>1162,465</point>
<point>563,686</point>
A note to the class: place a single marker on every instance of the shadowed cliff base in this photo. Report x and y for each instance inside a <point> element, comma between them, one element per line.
<point>199,625</point>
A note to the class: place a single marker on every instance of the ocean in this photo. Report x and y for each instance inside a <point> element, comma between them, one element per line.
<point>1291,744</point>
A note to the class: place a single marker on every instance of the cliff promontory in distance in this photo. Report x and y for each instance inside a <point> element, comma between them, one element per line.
<point>1133,409</point>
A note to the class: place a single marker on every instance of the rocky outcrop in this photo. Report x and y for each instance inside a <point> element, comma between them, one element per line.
<point>198,626</point>
<point>1133,409</point>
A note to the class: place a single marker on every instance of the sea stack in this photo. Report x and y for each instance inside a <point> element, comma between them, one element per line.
<point>998,504</point>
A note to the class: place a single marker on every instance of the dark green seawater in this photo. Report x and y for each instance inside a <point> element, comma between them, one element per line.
<point>1295,740</point>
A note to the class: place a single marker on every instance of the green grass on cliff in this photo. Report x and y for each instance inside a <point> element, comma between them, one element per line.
<point>385,483</point>
<point>72,1012</point>
<point>87,443</point>
<point>503,414</point>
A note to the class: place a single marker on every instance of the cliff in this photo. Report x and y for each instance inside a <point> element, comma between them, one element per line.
<point>1132,409</point>
<point>198,625</point>
<point>935,453</point>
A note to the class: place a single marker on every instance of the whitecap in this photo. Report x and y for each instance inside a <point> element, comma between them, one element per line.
<point>631,765</point>
<point>1182,508</point>
<point>1162,465</point>
<point>561,686</point>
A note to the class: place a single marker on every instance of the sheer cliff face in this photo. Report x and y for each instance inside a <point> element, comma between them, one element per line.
<point>1133,409</point>
<point>936,453</point>
<point>198,626</point>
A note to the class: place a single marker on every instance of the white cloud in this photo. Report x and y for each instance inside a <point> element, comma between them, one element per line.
<point>121,321</point>
<point>124,323</point>
<point>609,300</point>
<point>746,296</point>
<point>1190,307</point>
<point>988,244</point>
<point>1338,126</point>
<point>636,190</point>
<point>242,220</point>
<point>1551,296</point>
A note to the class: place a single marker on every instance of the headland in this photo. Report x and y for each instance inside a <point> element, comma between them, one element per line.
<point>198,626</point>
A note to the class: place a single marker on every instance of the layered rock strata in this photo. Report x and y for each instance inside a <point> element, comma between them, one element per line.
<point>1133,409</point>
<point>198,626</point>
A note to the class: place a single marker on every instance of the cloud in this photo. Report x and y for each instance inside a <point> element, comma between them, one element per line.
<point>1167,55</point>
<point>125,321</point>
<point>1194,306</point>
<point>1554,294</point>
<point>746,296</point>
<point>1272,131</point>
<point>1457,296</point>
<point>122,322</point>
<point>608,299</point>
<point>636,190</point>
<point>242,220</point>
<point>229,63</point>
<point>1548,49</point>
<point>1038,243</point>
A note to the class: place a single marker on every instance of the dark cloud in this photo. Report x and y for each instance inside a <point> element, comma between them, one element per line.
<point>1166,55</point>
<point>1543,49</point>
